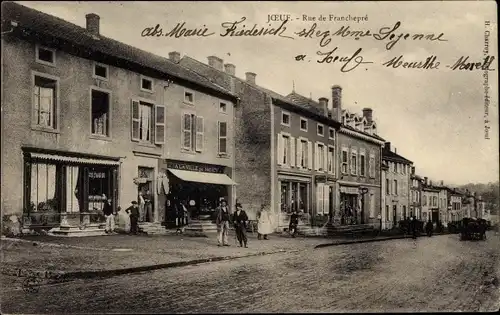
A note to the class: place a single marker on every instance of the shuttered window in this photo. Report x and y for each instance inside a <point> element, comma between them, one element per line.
<point>200,135</point>
<point>159,124</point>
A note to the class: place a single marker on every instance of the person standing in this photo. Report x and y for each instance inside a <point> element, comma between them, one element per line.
<point>379,217</point>
<point>148,207</point>
<point>222,222</point>
<point>107,210</point>
<point>141,207</point>
<point>134,217</point>
<point>294,222</point>
<point>240,219</point>
<point>265,224</point>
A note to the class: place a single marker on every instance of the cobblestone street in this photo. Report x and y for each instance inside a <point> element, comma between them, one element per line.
<point>430,274</point>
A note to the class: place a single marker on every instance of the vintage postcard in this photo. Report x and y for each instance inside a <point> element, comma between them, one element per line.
<point>249,157</point>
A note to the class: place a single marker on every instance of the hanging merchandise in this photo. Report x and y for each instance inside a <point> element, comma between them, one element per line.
<point>166,185</point>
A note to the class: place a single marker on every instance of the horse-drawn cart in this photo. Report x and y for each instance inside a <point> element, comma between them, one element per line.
<point>473,229</point>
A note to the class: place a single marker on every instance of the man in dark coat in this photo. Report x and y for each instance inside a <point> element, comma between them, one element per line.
<point>107,210</point>
<point>294,222</point>
<point>134,217</point>
<point>240,219</point>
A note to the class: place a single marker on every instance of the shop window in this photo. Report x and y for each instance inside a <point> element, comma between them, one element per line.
<point>99,188</point>
<point>222,137</point>
<point>45,105</point>
<point>100,113</point>
<point>43,188</point>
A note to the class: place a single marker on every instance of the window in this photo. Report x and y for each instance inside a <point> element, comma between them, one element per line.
<point>146,119</point>
<point>189,97</point>
<point>303,124</point>
<point>44,189</point>
<point>387,213</point>
<point>344,161</point>
<point>354,162</point>
<point>371,165</point>
<point>46,56</point>
<point>404,212</point>
<point>303,154</point>
<point>331,159</point>
<point>146,84</point>
<point>222,137</point>
<point>395,187</point>
<point>387,187</point>
<point>320,130</point>
<point>320,157</point>
<point>100,104</point>
<point>100,71</point>
<point>285,119</point>
<point>331,133</point>
<point>425,200</point>
<point>192,132</point>
<point>322,198</point>
<point>362,164</point>
<point>222,107</point>
<point>45,102</point>
<point>286,149</point>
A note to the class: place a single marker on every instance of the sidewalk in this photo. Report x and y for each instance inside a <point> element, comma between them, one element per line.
<point>69,258</point>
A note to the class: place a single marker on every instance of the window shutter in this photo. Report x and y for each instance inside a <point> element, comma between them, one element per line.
<point>309,155</point>
<point>186,131</point>
<point>280,149</point>
<point>299,153</point>
<point>292,151</point>
<point>316,156</point>
<point>319,198</point>
<point>326,195</point>
<point>199,133</point>
<point>135,120</point>
<point>325,159</point>
<point>159,124</point>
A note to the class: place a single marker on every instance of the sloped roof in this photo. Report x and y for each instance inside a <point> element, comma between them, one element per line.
<point>36,22</point>
<point>221,77</point>
<point>392,156</point>
<point>305,102</point>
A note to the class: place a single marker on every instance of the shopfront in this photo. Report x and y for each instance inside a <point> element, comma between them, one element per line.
<point>199,187</point>
<point>67,190</point>
<point>295,195</point>
<point>350,205</point>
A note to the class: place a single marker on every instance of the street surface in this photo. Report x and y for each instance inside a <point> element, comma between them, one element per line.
<point>429,274</point>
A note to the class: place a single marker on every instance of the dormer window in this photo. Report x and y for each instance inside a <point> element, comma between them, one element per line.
<point>46,56</point>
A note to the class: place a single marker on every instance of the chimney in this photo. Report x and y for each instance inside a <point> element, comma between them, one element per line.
<point>387,146</point>
<point>323,103</point>
<point>442,183</point>
<point>230,68</point>
<point>367,113</point>
<point>337,103</point>
<point>426,181</point>
<point>413,170</point>
<point>250,77</point>
<point>216,62</point>
<point>395,150</point>
<point>174,56</point>
<point>93,23</point>
<point>430,183</point>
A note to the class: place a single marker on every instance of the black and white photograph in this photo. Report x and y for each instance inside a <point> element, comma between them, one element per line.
<point>249,157</point>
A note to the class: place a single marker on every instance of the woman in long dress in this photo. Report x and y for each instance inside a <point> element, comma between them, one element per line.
<point>265,223</point>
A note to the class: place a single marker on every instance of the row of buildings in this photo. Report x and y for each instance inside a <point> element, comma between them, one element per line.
<point>87,118</point>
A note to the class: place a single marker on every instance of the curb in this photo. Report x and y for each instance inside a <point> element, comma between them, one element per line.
<point>388,238</point>
<point>73,275</point>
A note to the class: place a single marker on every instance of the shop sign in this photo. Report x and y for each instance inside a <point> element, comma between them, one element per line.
<point>97,175</point>
<point>207,168</point>
<point>349,190</point>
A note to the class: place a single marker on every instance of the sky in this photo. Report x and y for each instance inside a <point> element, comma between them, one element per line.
<point>434,118</point>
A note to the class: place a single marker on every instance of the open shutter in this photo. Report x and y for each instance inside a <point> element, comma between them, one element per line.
<point>199,141</point>
<point>299,153</point>
<point>316,156</point>
<point>309,155</point>
<point>292,152</point>
<point>280,149</point>
<point>325,159</point>
<point>326,199</point>
<point>159,124</point>
<point>319,198</point>
<point>135,120</point>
